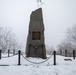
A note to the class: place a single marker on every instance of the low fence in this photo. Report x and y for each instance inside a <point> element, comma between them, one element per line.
<point>20,54</point>
<point>67,53</point>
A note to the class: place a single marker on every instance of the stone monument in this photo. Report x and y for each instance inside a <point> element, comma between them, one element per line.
<point>35,46</point>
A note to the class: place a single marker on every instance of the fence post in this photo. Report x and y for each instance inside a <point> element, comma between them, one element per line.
<point>65,53</point>
<point>19,53</point>
<point>0,53</point>
<point>14,52</point>
<point>54,57</point>
<point>73,54</point>
<point>60,52</point>
<point>8,52</point>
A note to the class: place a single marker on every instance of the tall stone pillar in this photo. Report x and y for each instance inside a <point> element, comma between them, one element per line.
<point>35,46</point>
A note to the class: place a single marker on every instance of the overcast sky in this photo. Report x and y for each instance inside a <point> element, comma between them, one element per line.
<point>58,15</point>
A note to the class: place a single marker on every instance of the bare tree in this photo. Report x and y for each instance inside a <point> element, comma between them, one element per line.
<point>71,35</point>
<point>65,45</point>
<point>49,50</point>
<point>69,42</point>
<point>7,39</point>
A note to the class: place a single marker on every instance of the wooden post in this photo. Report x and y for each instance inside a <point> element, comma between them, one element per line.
<point>8,52</point>
<point>0,53</point>
<point>60,52</point>
<point>73,54</point>
<point>65,53</point>
<point>54,57</point>
<point>14,52</point>
<point>19,57</point>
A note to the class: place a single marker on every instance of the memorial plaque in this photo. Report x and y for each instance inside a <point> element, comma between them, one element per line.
<point>35,35</point>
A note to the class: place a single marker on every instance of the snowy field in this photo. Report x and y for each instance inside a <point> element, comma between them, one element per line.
<point>47,68</point>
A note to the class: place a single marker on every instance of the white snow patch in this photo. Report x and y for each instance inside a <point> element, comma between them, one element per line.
<point>47,68</point>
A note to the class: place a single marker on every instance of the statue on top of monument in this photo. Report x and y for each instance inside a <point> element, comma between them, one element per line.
<point>39,2</point>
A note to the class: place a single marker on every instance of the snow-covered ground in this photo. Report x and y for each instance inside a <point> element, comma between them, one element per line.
<point>47,68</point>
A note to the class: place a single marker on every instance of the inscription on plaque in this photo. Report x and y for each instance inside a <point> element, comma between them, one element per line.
<point>35,35</point>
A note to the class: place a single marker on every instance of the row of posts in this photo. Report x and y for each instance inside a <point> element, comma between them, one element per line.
<point>19,55</point>
<point>66,53</point>
<point>54,53</point>
<point>7,52</point>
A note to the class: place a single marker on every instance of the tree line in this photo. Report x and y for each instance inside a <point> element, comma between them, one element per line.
<point>8,40</point>
<point>69,43</point>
